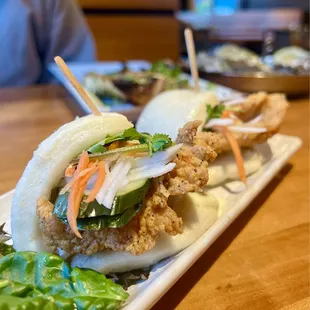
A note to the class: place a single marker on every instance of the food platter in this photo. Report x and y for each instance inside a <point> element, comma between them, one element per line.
<point>234,199</point>
<point>253,82</point>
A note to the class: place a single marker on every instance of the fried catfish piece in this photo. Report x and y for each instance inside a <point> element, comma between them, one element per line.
<point>141,233</point>
<point>272,109</point>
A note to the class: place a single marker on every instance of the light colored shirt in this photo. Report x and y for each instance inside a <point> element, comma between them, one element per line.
<point>33,32</point>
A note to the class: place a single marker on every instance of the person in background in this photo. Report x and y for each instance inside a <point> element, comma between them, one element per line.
<point>33,32</point>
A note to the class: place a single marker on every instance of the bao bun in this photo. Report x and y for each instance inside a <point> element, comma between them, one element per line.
<point>47,166</point>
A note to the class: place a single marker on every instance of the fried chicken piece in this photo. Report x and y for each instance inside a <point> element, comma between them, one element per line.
<point>272,108</point>
<point>191,171</point>
<point>252,106</point>
<point>140,234</point>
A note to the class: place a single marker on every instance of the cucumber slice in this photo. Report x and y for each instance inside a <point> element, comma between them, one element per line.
<point>133,194</point>
<point>132,187</point>
<point>130,196</point>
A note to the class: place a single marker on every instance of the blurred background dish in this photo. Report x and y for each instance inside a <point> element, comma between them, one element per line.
<point>292,85</point>
<point>136,87</point>
<point>291,56</point>
<point>243,41</point>
<point>240,58</point>
<point>114,97</point>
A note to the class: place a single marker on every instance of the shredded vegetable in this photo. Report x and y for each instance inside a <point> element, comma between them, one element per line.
<point>237,153</point>
<point>256,119</point>
<point>119,180</point>
<point>146,172</point>
<point>226,114</point>
<point>74,179</point>
<point>163,157</point>
<point>219,122</point>
<point>121,150</point>
<point>69,171</point>
<point>115,178</point>
<point>99,181</point>
<point>73,209</point>
<point>247,129</point>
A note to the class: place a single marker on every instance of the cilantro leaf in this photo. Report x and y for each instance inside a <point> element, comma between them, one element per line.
<point>131,134</point>
<point>161,142</point>
<point>128,134</point>
<point>158,142</point>
<point>216,111</point>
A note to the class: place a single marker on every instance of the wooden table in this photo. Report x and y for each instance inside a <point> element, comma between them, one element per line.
<point>261,261</point>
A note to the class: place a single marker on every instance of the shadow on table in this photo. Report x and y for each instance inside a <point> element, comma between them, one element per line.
<point>175,295</point>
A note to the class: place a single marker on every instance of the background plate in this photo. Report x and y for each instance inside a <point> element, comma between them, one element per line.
<point>291,85</point>
<point>167,272</point>
<point>81,69</point>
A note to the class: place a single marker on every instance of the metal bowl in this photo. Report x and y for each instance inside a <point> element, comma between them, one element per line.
<point>292,85</point>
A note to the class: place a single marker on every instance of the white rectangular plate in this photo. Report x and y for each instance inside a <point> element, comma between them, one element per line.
<point>81,69</point>
<point>167,272</point>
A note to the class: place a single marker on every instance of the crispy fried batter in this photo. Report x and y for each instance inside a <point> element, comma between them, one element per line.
<point>141,233</point>
<point>273,109</point>
<point>252,106</point>
<point>191,171</point>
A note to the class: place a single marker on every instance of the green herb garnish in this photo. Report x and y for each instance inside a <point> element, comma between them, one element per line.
<point>152,144</point>
<point>215,112</point>
<point>166,69</point>
<point>160,142</point>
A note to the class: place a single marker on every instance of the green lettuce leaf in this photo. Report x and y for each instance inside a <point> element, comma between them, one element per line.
<point>8,302</point>
<point>86,209</point>
<point>30,280</point>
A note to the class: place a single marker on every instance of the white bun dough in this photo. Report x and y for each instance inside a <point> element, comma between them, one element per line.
<point>198,211</point>
<point>170,110</point>
<point>47,166</point>
<point>224,167</point>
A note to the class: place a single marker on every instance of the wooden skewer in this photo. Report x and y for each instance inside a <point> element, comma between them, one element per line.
<point>78,87</point>
<point>190,46</point>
